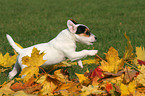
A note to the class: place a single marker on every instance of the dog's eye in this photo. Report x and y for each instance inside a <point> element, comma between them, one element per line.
<point>88,33</point>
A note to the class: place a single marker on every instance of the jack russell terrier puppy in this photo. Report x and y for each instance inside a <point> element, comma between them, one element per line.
<point>62,46</point>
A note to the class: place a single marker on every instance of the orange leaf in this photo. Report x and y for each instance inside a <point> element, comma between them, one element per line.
<point>17,86</point>
<point>109,87</point>
<point>97,73</point>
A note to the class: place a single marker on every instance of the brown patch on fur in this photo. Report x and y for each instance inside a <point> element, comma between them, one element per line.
<point>84,34</point>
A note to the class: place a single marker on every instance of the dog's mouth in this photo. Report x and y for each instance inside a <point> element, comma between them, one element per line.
<point>92,42</point>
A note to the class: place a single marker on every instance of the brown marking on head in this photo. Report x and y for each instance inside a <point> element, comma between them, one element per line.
<point>74,21</point>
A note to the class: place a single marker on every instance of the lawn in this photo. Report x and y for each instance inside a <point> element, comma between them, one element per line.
<point>32,22</point>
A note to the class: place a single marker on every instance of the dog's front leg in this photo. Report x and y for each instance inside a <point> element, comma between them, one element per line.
<point>72,55</point>
<point>80,63</point>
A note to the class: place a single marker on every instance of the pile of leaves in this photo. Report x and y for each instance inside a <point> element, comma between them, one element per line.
<point>114,76</point>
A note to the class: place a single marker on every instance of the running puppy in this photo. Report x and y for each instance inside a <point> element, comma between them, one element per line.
<point>62,46</point>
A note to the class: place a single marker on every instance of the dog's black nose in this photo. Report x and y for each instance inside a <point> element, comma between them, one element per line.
<point>95,38</point>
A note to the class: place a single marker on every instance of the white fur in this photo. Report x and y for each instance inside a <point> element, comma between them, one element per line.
<point>62,46</point>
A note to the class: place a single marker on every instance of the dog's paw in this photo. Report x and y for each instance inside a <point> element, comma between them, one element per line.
<point>92,52</point>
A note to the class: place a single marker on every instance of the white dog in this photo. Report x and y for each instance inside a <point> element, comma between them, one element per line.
<point>62,46</point>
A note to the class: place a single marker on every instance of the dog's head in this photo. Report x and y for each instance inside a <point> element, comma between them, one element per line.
<point>81,32</point>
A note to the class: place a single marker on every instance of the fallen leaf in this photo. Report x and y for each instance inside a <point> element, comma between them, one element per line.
<point>98,72</point>
<point>81,77</point>
<point>68,88</point>
<point>59,76</point>
<point>7,60</point>
<point>90,90</point>
<point>140,91</point>
<point>5,89</point>
<point>109,74</point>
<point>17,86</point>
<point>49,84</point>
<point>129,75</point>
<point>109,86</point>
<point>117,88</point>
<point>113,61</point>
<point>141,77</point>
<point>32,63</point>
<point>33,88</point>
<point>141,62</point>
<point>68,63</point>
<point>28,87</point>
<point>22,93</point>
<point>127,89</point>
<point>129,50</point>
<point>140,52</point>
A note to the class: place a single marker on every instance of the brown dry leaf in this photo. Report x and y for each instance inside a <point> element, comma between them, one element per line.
<point>28,87</point>
<point>140,92</point>
<point>129,75</point>
<point>108,74</point>
<point>5,90</point>
<point>33,88</point>
<point>60,77</point>
<point>20,86</point>
<point>17,86</point>
<point>70,88</point>
<point>49,84</point>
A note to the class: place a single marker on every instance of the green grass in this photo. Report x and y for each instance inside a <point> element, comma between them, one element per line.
<point>32,22</point>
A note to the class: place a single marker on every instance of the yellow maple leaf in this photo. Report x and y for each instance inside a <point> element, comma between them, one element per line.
<point>141,77</point>
<point>140,52</point>
<point>81,77</point>
<point>32,63</point>
<point>113,61</point>
<point>7,60</point>
<point>128,89</point>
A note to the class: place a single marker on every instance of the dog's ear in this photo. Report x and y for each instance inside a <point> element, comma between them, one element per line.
<point>71,26</point>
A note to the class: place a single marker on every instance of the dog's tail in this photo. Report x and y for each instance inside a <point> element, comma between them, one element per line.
<point>13,44</point>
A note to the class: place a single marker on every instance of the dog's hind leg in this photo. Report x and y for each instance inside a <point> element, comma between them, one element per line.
<point>15,70</point>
